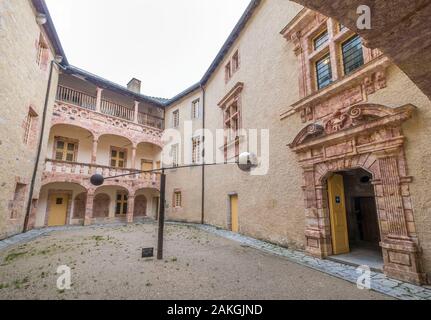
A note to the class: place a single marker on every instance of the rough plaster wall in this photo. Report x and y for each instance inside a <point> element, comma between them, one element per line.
<point>188,180</point>
<point>22,83</point>
<point>271,207</point>
<point>400,91</point>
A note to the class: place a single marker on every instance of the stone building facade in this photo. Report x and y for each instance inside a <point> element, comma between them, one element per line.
<point>343,131</point>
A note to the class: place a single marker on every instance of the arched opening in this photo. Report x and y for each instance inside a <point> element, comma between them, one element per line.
<point>355,230</point>
<point>140,209</point>
<point>101,206</point>
<point>79,206</point>
<point>114,151</point>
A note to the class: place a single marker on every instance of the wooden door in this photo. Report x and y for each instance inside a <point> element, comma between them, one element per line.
<point>337,208</point>
<point>234,212</point>
<point>58,210</point>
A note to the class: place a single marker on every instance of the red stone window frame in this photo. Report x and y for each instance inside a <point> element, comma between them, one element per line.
<point>30,127</point>
<point>42,53</point>
<point>302,31</point>
<point>17,204</point>
<point>231,106</point>
<point>232,66</point>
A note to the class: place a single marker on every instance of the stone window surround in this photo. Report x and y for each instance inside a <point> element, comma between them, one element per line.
<point>302,31</point>
<point>232,66</point>
<point>30,127</point>
<point>368,137</point>
<point>174,199</point>
<point>196,112</point>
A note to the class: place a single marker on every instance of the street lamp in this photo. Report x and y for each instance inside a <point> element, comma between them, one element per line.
<point>246,162</point>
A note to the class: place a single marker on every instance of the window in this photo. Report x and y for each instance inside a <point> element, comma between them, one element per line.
<point>196,150</point>
<point>118,157</point>
<point>17,204</point>
<point>323,72</point>
<point>235,61</point>
<point>42,55</point>
<point>321,40</point>
<point>341,27</point>
<point>231,119</point>
<point>176,119</point>
<point>195,109</point>
<point>65,150</point>
<point>178,199</point>
<point>353,56</point>
<point>228,72</point>
<point>29,123</point>
<point>175,155</point>
<point>121,205</point>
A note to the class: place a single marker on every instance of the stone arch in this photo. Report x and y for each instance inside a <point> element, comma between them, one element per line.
<point>79,206</point>
<point>140,209</point>
<point>101,205</point>
<point>58,122</point>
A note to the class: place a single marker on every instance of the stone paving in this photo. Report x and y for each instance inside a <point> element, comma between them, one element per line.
<point>379,282</point>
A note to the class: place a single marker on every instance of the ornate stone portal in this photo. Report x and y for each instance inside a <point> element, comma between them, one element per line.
<point>370,137</point>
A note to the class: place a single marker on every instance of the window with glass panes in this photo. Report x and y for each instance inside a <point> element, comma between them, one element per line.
<point>176,119</point>
<point>196,150</point>
<point>178,199</point>
<point>231,119</point>
<point>118,157</point>
<point>195,109</point>
<point>353,56</point>
<point>323,72</point>
<point>321,40</point>
<point>175,155</point>
<point>121,204</point>
<point>65,150</point>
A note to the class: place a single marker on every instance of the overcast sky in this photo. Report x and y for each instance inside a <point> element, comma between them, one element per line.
<point>167,44</point>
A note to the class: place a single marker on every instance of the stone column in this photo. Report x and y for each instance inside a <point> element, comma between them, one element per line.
<point>135,118</point>
<point>333,49</point>
<point>401,253</point>
<point>99,99</point>
<point>133,166</point>
<point>89,208</point>
<point>130,208</point>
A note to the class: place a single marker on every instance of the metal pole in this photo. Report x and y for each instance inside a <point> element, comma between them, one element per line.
<point>161,216</point>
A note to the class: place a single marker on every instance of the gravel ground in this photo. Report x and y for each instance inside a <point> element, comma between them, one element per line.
<point>106,264</point>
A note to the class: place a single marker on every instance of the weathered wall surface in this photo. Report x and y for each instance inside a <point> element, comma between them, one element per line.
<point>186,180</point>
<point>400,91</point>
<point>270,206</point>
<point>22,84</point>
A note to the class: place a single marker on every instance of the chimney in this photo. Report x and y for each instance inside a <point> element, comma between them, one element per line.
<point>134,85</point>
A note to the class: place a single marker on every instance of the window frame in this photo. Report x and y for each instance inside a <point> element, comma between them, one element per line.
<point>235,62</point>
<point>175,155</point>
<point>65,150</point>
<point>177,201</point>
<point>117,158</point>
<point>315,63</point>
<point>196,106</point>
<point>319,35</point>
<point>29,123</point>
<point>342,57</point>
<point>176,118</point>
<point>123,203</point>
<point>196,150</point>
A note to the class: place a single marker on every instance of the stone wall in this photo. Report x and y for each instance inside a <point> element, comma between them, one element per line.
<point>23,84</point>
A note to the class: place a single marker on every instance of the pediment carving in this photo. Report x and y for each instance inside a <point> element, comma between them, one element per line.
<point>356,116</point>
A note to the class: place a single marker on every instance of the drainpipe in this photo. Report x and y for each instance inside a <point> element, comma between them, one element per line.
<point>203,154</point>
<point>39,147</point>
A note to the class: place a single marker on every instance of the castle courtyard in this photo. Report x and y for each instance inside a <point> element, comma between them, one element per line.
<point>106,263</point>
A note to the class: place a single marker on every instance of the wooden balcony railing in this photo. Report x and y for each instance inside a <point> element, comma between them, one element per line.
<point>107,107</point>
<point>77,98</point>
<point>116,110</point>
<point>85,169</point>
